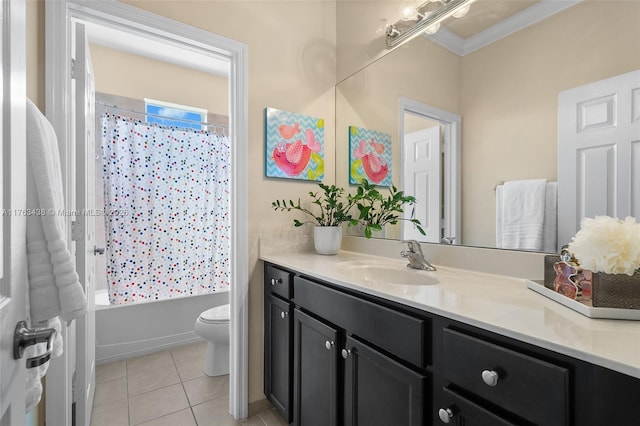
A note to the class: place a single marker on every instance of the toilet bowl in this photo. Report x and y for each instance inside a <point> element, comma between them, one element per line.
<point>213,326</point>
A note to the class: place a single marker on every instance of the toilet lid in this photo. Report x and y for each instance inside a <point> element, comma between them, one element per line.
<point>217,314</point>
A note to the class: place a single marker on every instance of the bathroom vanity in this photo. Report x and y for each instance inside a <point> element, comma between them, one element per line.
<point>346,344</point>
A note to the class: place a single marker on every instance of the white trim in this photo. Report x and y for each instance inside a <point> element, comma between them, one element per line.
<point>521,20</point>
<point>59,104</point>
<point>452,136</point>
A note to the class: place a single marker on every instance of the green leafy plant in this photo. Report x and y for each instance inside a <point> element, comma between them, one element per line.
<point>377,209</point>
<point>333,208</point>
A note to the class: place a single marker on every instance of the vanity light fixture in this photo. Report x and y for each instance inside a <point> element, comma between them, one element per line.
<point>424,21</point>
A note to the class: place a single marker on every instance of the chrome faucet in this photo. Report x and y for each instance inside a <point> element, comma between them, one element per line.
<point>415,257</point>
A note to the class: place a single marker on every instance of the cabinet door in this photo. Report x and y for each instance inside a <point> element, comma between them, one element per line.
<point>315,372</point>
<point>379,390</point>
<point>277,356</point>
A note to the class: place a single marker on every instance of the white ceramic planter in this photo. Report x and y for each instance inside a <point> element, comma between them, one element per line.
<point>327,239</point>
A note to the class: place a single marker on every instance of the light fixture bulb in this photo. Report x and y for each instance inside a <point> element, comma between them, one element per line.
<point>432,29</point>
<point>462,12</point>
<point>408,11</point>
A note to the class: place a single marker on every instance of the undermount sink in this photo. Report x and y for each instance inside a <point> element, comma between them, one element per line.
<point>387,274</point>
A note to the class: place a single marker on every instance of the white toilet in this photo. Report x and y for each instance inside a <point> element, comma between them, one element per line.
<point>213,326</point>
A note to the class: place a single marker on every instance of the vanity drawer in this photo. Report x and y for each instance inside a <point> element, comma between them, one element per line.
<point>278,281</point>
<point>396,332</point>
<point>521,379</point>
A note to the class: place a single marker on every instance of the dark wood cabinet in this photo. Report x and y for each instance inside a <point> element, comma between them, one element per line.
<point>336,356</point>
<point>379,391</point>
<point>315,372</point>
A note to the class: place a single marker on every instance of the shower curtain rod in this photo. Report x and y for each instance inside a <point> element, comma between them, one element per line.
<point>223,126</point>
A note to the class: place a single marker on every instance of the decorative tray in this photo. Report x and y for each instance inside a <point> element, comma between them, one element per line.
<point>585,307</point>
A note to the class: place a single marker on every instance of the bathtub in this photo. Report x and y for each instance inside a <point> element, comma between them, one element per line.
<point>126,331</point>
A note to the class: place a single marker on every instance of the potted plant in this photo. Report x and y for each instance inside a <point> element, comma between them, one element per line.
<point>333,209</point>
<point>376,210</point>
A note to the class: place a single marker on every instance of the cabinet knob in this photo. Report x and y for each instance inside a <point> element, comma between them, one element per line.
<point>275,281</point>
<point>283,314</point>
<point>490,377</point>
<point>445,414</point>
<point>328,344</point>
<point>346,353</point>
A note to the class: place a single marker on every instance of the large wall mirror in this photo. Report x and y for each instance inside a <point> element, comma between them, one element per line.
<point>506,80</point>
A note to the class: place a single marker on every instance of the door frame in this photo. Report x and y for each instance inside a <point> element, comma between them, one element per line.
<point>59,106</point>
<point>452,141</point>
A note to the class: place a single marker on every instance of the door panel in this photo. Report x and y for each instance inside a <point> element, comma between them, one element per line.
<point>315,372</point>
<point>422,179</point>
<point>84,223</point>
<point>278,356</point>
<point>380,391</point>
<point>13,268</point>
<point>598,159</point>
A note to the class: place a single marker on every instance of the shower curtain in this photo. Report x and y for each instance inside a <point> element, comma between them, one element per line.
<point>167,210</point>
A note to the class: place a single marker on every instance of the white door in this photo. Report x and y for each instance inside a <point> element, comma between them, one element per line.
<point>84,226</point>
<point>598,152</point>
<point>13,268</point>
<point>422,179</point>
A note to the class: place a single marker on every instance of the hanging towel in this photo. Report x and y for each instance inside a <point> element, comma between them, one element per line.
<point>33,389</point>
<point>54,287</point>
<point>520,215</point>
<point>550,230</point>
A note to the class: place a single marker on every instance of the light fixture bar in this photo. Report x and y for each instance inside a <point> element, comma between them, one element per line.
<point>396,37</point>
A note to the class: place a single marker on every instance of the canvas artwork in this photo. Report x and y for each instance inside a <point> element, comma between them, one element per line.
<point>294,145</point>
<point>369,156</point>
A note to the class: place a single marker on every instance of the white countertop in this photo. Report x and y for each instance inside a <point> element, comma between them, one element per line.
<point>496,303</point>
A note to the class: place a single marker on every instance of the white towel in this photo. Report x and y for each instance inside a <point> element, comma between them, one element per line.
<point>550,230</point>
<point>33,389</point>
<point>54,287</point>
<point>521,214</point>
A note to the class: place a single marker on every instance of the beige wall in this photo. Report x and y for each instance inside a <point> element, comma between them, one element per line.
<point>510,92</point>
<point>124,74</point>
<point>292,66</point>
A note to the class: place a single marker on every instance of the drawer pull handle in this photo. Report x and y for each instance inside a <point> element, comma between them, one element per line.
<point>490,377</point>
<point>328,344</point>
<point>283,314</point>
<point>446,414</point>
<point>275,281</point>
<point>346,353</point>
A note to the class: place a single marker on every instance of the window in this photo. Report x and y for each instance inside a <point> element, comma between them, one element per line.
<point>176,115</point>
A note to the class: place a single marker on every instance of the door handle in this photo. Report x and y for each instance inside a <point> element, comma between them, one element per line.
<point>98,250</point>
<point>24,337</point>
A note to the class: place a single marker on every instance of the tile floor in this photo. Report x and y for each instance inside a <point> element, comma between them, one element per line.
<point>166,388</point>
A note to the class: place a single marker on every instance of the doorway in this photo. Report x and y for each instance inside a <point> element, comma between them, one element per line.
<point>430,158</point>
<point>59,106</point>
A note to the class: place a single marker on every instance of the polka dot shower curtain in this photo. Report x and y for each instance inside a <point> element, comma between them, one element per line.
<point>167,195</point>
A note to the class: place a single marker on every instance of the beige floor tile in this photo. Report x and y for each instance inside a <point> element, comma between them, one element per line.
<point>113,414</point>
<point>110,391</point>
<point>272,418</point>
<point>214,413</point>
<point>111,371</point>
<point>179,418</point>
<point>157,403</point>
<point>149,362</point>
<point>206,388</point>
<point>155,375</point>
<point>190,360</point>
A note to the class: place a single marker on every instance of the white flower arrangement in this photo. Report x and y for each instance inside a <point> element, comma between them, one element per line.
<point>609,245</point>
